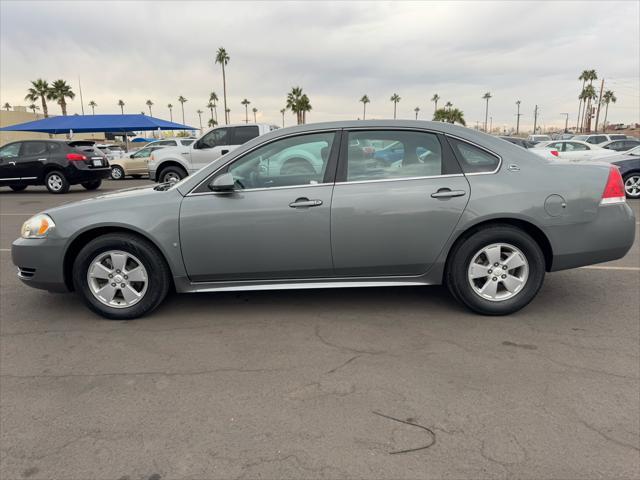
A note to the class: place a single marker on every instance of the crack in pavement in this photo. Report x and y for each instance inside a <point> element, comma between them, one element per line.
<point>343,347</point>
<point>343,364</point>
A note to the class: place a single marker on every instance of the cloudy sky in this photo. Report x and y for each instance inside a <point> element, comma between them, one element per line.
<point>134,51</point>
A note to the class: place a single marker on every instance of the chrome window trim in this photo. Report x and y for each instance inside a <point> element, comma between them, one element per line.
<point>481,148</point>
<point>298,134</point>
<point>401,179</point>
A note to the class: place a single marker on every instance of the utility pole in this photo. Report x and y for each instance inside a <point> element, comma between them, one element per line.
<point>535,119</point>
<point>566,121</point>
<point>518,118</point>
<point>80,88</point>
<point>490,124</point>
<point>599,103</point>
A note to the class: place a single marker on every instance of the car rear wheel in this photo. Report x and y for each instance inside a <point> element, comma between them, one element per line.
<point>117,173</point>
<point>17,188</point>
<point>56,182</point>
<point>172,174</point>
<point>632,185</point>
<point>121,276</point>
<point>93,184</point>
<point>496,270</point>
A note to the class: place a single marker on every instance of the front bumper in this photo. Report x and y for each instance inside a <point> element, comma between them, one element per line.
<point>608,237</point>
<point>40,263</point>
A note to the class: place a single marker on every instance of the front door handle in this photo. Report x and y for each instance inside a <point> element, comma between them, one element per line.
<point>448,193</point>
<point>12,163</point>
<point>305,203</point>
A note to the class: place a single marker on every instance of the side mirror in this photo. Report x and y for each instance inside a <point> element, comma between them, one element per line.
<point>223,183</point>
<point>196,145</point>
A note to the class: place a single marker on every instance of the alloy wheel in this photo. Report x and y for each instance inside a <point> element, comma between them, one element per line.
<point>498,272</point>
<point>632,186</point>
<point>117,279</point>
<point>55,182</point>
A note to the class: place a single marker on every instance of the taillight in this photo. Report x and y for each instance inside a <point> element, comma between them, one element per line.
<point>614,189</point>
<point>555,153</point>
<point>76,157</point>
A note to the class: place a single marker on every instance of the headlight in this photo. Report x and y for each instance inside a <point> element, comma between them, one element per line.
<point>38,226</point>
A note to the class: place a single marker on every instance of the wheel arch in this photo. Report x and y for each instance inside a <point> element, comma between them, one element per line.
<point>84,237</point>
<point>170,163</point>
<point>528,227</point>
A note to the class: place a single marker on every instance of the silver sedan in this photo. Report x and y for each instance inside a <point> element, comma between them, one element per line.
<point>369,204</point>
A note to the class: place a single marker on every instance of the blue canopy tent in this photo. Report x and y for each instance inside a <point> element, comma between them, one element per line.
<point>96,123</point>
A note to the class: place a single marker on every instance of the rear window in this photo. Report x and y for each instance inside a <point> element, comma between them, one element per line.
<point>618,137</point>
<point>474,159</point>
<point>34,148</point>
<point>244,134</point>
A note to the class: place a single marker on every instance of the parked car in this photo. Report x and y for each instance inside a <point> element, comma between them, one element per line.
<point>518,141</point>
<point>620,145</point>
<point>483,216</point>
<point>598,138</point>
<point>135,164</point>
<point>57,164</point>
<point>629,165</point>
<point>548,153</point>
<point>538,138</point>
<point>175,163</point>
<point>575,150</point>
<point>113,151</point>
<point>171,142</point>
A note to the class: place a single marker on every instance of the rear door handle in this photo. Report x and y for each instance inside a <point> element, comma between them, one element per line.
<point>447,193</point>
<point>305,203</point>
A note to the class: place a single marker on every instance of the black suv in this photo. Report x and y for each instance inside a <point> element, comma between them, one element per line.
<point>57,164</point>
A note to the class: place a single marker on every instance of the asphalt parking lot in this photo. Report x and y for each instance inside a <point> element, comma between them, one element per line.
<point>292,384</point>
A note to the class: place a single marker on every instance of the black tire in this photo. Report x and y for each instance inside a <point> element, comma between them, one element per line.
<point>56,182</point>
<point>171,173</point>
<point>136,176</point>
<point>158,274</point>
<point>93,184</point>
<point>117,172</point>
<point>17,188</point>
<point>460,258</point>
<point>632,191</point>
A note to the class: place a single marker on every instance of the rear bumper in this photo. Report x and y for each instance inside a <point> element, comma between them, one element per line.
<point>81,175</point>
<point>608,237</point>
<point>40,263</point>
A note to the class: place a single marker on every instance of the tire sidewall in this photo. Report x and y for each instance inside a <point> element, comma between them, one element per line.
<point>157,272</point>
<point>119,169</point>
<point>457,274</point>
<point>65,182</point>
<point>627,177</point>
<point>179,173</point>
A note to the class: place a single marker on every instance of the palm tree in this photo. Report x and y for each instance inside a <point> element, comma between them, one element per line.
<point>448,105</point>
<point>93,106</point>
<point>518,117</point>
<point>212,122</point>
<point>417,109</point>
<point>211,106</point>
<point>121,105</point>
<point>59,92</point>
<point>200,112</point>
<point>584,76</point>
<point>486,96</point>
<point>213,101</point>
<point>395,98</point>
<point>228,113</point>
<point>435,99</point>
<point>449,115</point>
<point>457,116</point>
<point>39,90</point>
<point>246,103</point>
<point>293,102</point>
<point>282,112</point>
<point>305,106</point>
<point>608,97</point>
<point>149,104</point>
<point>364,100</point>
<point>254,110</point>
<point>170,107</point>
<point>33,107</point>
<point>588,94</point>
<point>182,101</point>
<point>223,59</point>
<point>7,106</point>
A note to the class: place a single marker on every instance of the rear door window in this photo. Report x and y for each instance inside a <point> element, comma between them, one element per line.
<point>34,148</point>
<point>474,159</point>
<point>244,134</point>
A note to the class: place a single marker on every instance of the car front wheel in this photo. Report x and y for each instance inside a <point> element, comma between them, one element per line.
<point>172,175</point>
<point>117,173</point>
<point>496,270</point>
<point>56,182</point>
<point>121,276</point>
<point>92,185</point>
<point>632,185</point>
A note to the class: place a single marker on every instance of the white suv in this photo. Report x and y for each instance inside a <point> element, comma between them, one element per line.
<point>174,163</point>
<point>171,142</point>
<point>598,138</point>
